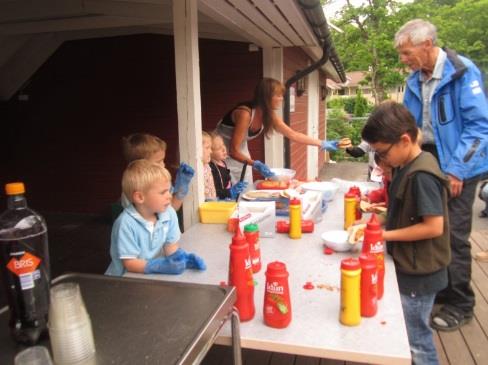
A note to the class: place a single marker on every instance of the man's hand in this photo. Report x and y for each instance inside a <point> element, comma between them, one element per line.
<point>456,186</point>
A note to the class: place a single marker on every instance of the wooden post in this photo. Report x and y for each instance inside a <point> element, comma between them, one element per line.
<point>185,27</point>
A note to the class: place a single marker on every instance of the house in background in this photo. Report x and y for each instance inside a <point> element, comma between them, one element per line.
<point>76,76</point>
<point>357,80</point>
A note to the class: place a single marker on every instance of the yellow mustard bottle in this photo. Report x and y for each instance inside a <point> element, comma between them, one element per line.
<point>349,209</point>
<point>295,219</point>
<point>350,313</point>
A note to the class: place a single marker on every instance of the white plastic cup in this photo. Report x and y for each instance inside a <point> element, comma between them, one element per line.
<point>67,308</point>
<point>69,325</point>
<point>36,355</point>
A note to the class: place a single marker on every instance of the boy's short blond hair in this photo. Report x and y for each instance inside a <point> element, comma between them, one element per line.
<point>141,145</point>
<point>140,174</point>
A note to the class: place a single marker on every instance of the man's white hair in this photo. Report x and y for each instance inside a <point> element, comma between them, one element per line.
<point>416,31</point>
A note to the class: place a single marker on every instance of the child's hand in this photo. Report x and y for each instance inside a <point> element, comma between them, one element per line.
<point>238,188</point>
<point>184,174</point>
<point>191,260</point>
<point>165,265</point>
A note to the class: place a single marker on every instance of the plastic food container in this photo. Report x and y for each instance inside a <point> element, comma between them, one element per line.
<point>329,189</point>
<point>282,174</point>
<point>216,212</point>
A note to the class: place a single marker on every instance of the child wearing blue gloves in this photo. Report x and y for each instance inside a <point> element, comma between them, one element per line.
<point>146,146</point>
<point>221,174</point>
<point>145,236</point>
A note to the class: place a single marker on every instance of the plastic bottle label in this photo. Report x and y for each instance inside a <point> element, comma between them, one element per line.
<point>25,265</point>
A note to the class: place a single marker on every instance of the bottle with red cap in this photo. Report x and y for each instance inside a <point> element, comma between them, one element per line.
<point>251,231</point>
<point>240,276</point>
<point>357,192</point>
<point>350,314</point>
<point>369,285</point>
<point>349,209</point>
<point>277,305</point>
<point>373,244</point>
<point>295,219</point>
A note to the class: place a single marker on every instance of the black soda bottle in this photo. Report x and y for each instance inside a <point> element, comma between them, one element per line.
<point>24,266</point>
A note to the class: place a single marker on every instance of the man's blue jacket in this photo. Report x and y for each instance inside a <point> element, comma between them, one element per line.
<point>459,113</point>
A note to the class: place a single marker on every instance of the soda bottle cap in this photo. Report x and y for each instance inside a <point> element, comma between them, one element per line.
<point>14,188</point>
<point>276,267</point>
<point>238,238</point>
<point>251,227</point>
<point>367,259</point>
<point>350,263</point>
<point>373,224</point>
<point>295,201</point>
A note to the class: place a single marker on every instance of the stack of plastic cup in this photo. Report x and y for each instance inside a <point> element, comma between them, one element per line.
<point>69,325</point>
<point>36,355</point>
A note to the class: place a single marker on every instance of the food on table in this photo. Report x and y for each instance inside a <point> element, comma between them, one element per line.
<point>344,143</point>
<point>271,184</point>
<point>372,207</point>
<point>261,194</point>
<point>356,233</point>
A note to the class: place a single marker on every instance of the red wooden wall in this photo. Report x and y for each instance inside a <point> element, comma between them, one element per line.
<point>64,142</point>
<point>294,60</point>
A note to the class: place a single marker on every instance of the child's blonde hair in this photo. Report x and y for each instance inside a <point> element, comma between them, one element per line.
<point>206,135</point>
<point>141,145</point>
<point>140,174</point>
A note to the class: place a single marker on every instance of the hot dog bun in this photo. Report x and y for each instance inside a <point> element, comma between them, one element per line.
<point>344,143</point>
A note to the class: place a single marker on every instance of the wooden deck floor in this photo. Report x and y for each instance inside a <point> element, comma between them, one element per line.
<point>466,346</point>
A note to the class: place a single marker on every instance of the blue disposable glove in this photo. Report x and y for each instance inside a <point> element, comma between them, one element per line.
<point>238,188</point>
<point>165,265</point>
<point>263,169</point>
<point>191,260</point>
<point>328,145</point>
<point>184,175</point>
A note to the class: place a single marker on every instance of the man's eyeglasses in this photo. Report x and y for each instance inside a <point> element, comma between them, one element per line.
<point>382,154</point>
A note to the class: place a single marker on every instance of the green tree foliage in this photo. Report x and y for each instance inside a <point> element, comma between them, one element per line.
<point>369,30</point>
<point>366,43</point>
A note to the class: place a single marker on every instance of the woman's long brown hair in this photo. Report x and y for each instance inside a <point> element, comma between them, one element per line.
<point>263,93</point>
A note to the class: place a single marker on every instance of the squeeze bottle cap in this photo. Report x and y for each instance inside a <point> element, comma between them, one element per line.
<point>295,201</point>
<point>238,238</point>
<point>350,264</point>
<point>350,195</point>
<point>373,224</point>
<point>355,190</point>
<point>251,227</point>
<point>14,188</point>
<point>276,267</point>
<point>367,259</point>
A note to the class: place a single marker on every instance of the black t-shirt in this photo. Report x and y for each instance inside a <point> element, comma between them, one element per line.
<point>427,192</point>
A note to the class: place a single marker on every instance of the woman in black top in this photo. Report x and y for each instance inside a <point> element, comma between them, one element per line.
<point>249,120</point>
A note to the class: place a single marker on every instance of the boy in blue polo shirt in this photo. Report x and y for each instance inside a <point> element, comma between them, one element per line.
<point>145,236</point>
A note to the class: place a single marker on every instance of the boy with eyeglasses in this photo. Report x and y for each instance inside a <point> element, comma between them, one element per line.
<point>417,225</point>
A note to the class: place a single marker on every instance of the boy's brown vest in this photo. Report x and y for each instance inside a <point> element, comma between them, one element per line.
<point>424,256</point>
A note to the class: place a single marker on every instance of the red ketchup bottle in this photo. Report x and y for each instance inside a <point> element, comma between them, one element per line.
<point>240,276</point>
<point>357,192</point>
<point>369,285</point>
<point>277,305</point>
<point>251,231</point>
<point>373,244</point>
